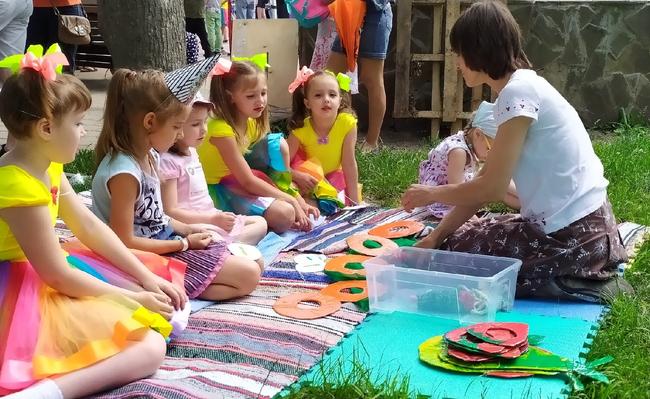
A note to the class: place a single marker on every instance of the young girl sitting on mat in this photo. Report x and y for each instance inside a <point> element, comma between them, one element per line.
<point>456,158</point>
<point>246,168</point>
<point>63,332</point>
<point>324,131</point>
<point>566,233</point>
<point>144,115</point>
<point>184,190</point>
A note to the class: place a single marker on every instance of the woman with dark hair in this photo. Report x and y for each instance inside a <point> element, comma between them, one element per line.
<point>566,233</point>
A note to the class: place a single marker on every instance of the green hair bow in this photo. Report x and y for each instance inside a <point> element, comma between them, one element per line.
<point>260,60</point>
<point>47,65</point>
<point>343,79</point>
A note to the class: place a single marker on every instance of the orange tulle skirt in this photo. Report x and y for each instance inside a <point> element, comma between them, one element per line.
<point>44,333</point>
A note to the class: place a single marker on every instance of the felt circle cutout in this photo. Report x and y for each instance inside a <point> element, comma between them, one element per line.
<point>398,229</point>
<point>310,263</point>
<point>288,305</point>
<point>339,263</point>
<point>356,243</point>
<point>245,250</point>
<point>335,290</point>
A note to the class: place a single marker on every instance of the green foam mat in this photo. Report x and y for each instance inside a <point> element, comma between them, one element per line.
<point>388,344</point>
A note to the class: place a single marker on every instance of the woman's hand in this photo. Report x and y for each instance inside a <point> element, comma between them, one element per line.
<point>155,302</point>
<point>225,220</point>
<point>431,241</point>
<point>305,182</point>
<point>159,285</point>
<point>417,195</point>
<point>199,240</point>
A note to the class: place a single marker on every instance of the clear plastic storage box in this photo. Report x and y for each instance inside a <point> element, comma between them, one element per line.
<point>466,287</point>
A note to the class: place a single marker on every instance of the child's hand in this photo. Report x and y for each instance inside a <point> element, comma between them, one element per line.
<point>199,240</point>
<point>197,228</point>
<point>310,210</point>
<point>304,181</point>
<point>301,222</point>
<point>225,220</point>
<point>159,285</point>
<point>155,302</point>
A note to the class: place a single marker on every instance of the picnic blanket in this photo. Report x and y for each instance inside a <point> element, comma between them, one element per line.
<point>243,349</point>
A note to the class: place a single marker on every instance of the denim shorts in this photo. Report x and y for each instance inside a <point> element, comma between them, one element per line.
<point>375,33</point>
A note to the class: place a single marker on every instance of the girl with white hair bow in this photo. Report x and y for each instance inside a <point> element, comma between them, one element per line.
<point>456,159</point>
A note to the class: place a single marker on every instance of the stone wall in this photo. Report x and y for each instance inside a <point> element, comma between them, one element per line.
<point>596,53</point>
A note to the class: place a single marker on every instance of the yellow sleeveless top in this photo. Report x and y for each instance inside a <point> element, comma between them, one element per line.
<point>19,188</point>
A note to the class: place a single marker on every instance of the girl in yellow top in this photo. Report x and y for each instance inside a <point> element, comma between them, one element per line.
<point>63,332</point>
<point>247,170</point>
<point>324,129</point>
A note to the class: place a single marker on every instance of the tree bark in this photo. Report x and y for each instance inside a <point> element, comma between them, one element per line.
<point>144,33</point>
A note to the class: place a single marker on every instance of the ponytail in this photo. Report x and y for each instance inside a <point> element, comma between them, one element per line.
<point>132,94</point>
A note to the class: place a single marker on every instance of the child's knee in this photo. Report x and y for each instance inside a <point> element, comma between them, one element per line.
<point>250,277</point>
<point>152,348</point>
<point>257,221</point>
<point>280,216</point>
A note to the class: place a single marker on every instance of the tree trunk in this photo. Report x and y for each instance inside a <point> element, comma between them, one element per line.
<point>144,33</point>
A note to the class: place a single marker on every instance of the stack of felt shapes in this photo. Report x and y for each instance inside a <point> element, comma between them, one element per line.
<point>500,350</point>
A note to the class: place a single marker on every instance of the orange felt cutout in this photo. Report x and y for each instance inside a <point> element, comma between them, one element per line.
<point>348,16</point>
<point>338,264</point>
<point>335,290</point>
<point>288,305</point>
<point>356,241</point>
<point>399,229</point>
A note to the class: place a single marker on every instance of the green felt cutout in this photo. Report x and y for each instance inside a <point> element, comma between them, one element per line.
<point>364,304</point>
<point>354,265</point>
<point>372,244</point>
<point>338,276</point>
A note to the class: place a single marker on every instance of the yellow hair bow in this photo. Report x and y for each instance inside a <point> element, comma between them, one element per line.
<point>47,65</point>
<point>260,60</point>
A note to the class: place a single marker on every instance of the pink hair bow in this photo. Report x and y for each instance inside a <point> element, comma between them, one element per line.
<point>301,77</point>
<point>221,68</point>
<point>47,65</point>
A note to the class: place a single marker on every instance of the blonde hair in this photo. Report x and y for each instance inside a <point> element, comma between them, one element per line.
<point>27,97</point>
<point>130,94</point>
<point>221,88</point>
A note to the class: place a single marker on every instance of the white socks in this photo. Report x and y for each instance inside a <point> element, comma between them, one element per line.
<point>44,389</point>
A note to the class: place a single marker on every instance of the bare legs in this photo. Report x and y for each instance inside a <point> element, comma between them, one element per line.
<point>371,75</point>
<point>238,277</point>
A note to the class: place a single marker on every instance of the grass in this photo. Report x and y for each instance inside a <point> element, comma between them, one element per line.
<point>625,333</point>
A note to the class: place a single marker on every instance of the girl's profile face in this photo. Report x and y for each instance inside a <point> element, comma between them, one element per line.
<point>481,143</point>
<point>195,127</point>
<point>323,98</point>
<point>250,96</point>
<point>163,135</point>
<point>472,78</point>
<point>66,133</point>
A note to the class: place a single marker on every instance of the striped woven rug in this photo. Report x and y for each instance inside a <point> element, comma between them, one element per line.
<point>243,349</point>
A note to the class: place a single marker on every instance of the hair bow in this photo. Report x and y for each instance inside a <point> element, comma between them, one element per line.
<point>47,65</point>
<point>261,60</point>
<point>221,68</point>
<point>302,75</point>
<point>344,81</point>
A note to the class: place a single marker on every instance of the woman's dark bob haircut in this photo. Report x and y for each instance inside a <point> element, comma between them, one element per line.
<point>488,38</point>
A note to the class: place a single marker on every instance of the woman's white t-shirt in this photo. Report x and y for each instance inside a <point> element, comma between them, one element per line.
<point>559,178</point>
